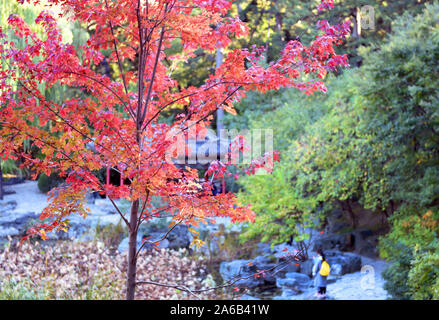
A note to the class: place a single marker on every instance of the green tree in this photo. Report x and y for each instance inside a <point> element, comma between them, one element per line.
<point>374,143</point>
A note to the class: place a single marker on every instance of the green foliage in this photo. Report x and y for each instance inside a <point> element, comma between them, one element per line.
<point>23,290</point>
<point>423,277</point>
<point>9,166</point>
<point>296,194</point>
<point>47,183</point>
<point>111,235</point>
<point>372,140</point>
<point>396,275</point>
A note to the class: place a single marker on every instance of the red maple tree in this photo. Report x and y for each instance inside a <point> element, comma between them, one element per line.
<point>121,117</point>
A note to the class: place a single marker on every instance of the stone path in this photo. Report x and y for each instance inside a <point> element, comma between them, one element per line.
<point>29,199</point>
<point>367,284</point>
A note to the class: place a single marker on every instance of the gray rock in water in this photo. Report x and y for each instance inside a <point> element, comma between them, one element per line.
<point>295,282</point>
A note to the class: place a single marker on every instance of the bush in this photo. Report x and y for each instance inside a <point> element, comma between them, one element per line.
<point>47,183</point>
<point>396,275</point>
<point>423,277</point>
<point>11,289</point>
<point>111,235</point>
<point>412,246</point>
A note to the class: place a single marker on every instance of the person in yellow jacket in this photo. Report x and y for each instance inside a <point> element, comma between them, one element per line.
<point>320,272</point>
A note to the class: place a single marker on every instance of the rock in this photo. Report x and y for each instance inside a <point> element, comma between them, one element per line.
<point>164,244</point>
<point>179,238</point>
<point>336,269</point>
<point>22,219</point>
<point>332,278</point>
<point>263,249</point>
<point>7,206</point>
<point>241,268</point>
<point>8,231</point>
<point>366,243</point>
<point>367,249</point>
<point>343,262</point>
<point>354,261</point>
<point>12,181</point>
<point>295,282</point>
<point>337,222</point>
<point>283,250</point>
<point>288,294</point>
<point>15,223</point>
<point>266,263</point>
<point>333,241</point>
<point>306,267</point>
<point>292,266</point>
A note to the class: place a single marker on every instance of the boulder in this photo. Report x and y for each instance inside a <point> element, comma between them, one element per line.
<point>8,232</point>
<point>295,282</point>
<point>7,206</point>
<point>263,248</point>
<point>211,248</point>
<point>343,262</point>
<point>266,263</point>
<point>333,241</point>
<point>282,268</point>
<point>366,242</point>
<point>240,268</point>
<point>15,223</point>
<point>247,269</point>
<point>179,238</point>
<point>283,250</point>
<point>306,267</point>
<point>22,219</point>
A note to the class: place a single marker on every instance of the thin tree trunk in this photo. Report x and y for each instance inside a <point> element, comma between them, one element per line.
<point>357,23</point>
<point>132,249</point>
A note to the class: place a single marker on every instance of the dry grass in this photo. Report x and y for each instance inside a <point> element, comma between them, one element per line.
<point>79,270</point>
